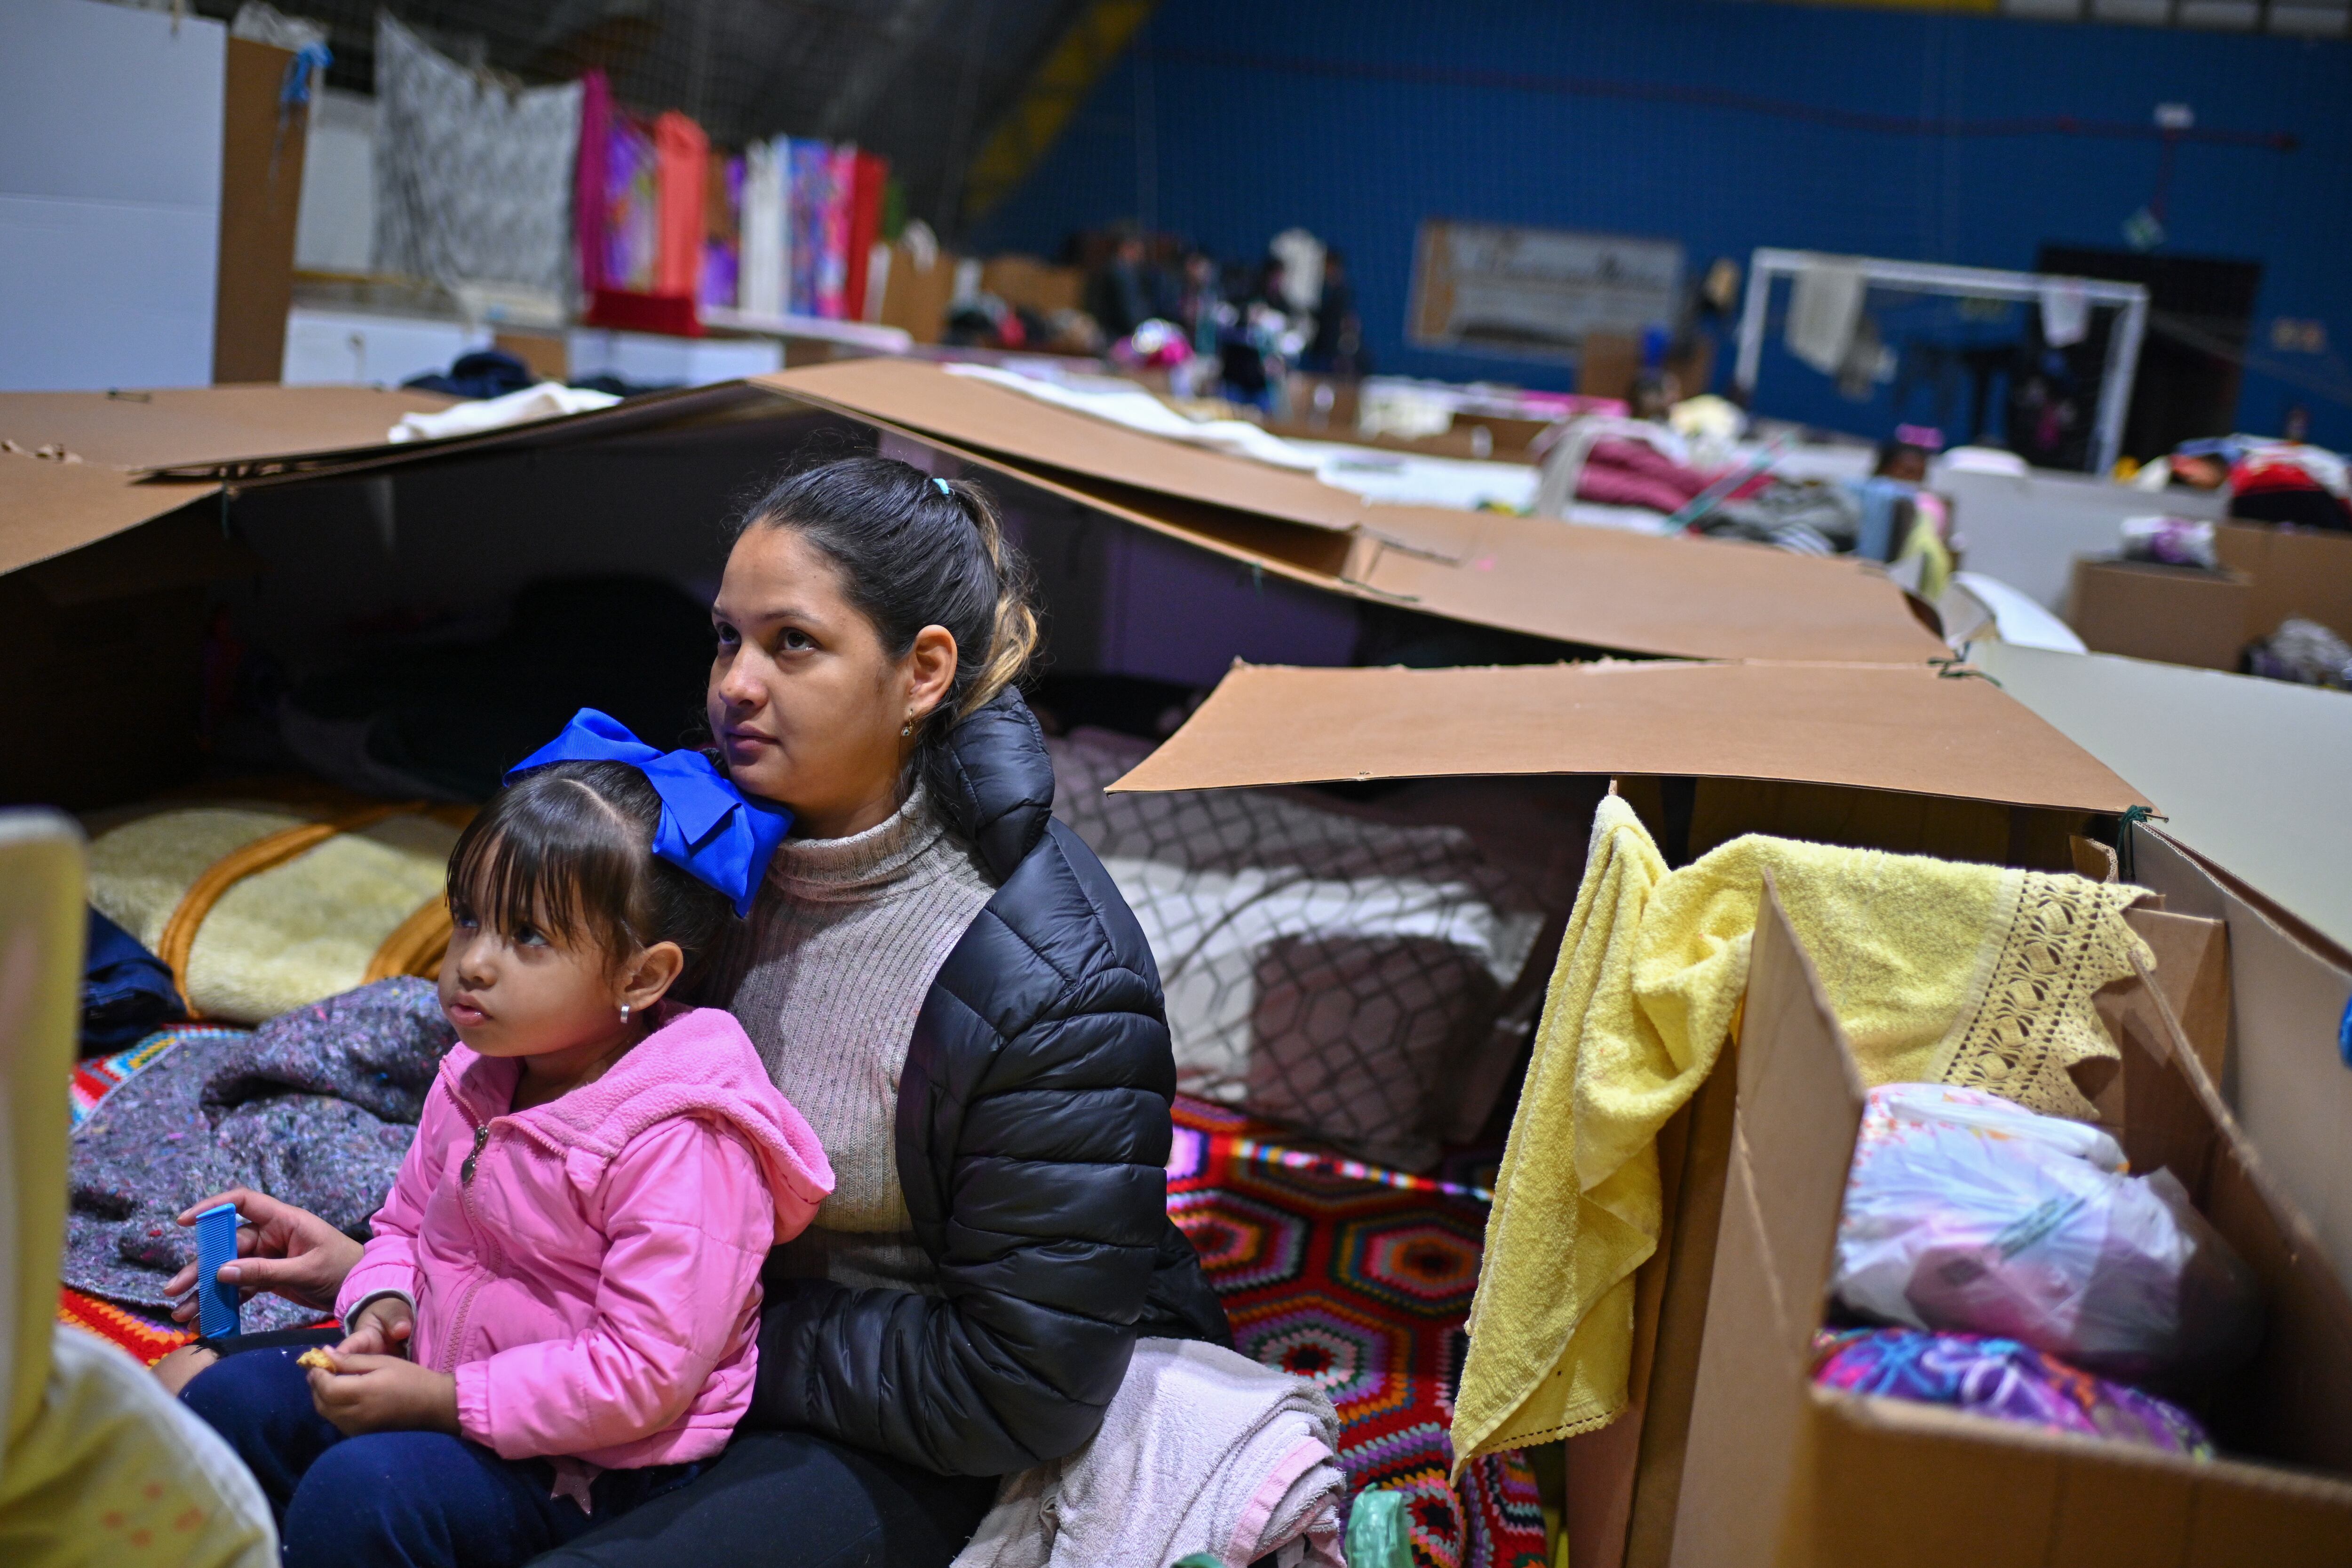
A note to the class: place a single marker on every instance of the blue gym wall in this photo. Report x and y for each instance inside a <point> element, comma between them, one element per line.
<point>1357,119</point>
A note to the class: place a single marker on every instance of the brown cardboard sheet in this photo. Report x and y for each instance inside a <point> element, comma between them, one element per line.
<point>1679,597</point>
<point>1596,588</point>
<point>48,508</point>
<point>1887,727</point>
<point>1674,597</point>
<point>719,401</point>
<point>181,427</point>
<point>973,412</point>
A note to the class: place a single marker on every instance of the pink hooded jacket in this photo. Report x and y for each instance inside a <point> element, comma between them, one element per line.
<point>589,1269</point>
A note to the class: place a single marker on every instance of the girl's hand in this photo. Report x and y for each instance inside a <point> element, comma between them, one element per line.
<point>288,1251</point>
<point>384,1394</point>
<point>383,1327</point>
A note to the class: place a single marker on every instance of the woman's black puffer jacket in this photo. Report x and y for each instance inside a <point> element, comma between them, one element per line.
<point>1032,1145</point>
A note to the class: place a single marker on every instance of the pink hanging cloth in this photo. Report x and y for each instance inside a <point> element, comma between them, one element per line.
<point>588,181</point>
<point>682,151</point>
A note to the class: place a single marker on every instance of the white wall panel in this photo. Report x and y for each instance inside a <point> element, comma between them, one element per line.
<point>110,194</point>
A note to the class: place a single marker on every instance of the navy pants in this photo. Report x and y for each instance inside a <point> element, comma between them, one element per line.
<point>794,1500</point>
<point>394,1500</point>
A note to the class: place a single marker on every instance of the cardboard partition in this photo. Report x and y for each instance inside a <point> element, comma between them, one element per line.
<point>1780,1471</point>
<point>262,145</point>
<point>2284,1076</point>
<point>1903,728</point>
<point>1589,587</point>
<point>2294,572</point>
<point>2176,615</point>
<point>1599,587</point>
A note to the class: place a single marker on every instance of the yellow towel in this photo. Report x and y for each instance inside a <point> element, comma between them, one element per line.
<point>1939,971</point>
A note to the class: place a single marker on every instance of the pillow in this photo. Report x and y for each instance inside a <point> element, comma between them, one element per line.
<point>259,909</point>
<point>1322,970</point>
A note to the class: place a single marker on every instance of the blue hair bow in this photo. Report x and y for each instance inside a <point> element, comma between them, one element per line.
<point>709,828</point>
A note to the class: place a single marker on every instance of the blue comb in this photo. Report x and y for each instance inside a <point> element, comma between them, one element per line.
<point>215,1245</point>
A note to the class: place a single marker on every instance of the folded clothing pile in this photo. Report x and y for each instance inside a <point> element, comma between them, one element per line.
<point>126,990</point>
<point>317,1108</point>
<point>1201,1450</point>
<point>2021,1237</point>
<point>2002,1379</point>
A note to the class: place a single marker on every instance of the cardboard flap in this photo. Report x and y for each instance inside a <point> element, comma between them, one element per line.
<point>252,433</point>
<point>1800,1100</point>
<point>1887,727</point>
<point>48,509</point>
<point>2288,1404</point>
<point>180,427</point>
<point>2282,1076</point>
<point>973,412</point>
<point>1801,1104</point>
<point>1599,587</point>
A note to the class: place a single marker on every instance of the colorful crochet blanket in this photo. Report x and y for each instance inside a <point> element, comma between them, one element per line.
<point>1359,1279</point>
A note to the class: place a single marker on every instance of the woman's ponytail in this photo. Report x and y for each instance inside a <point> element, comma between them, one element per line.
<point>1012,625</point>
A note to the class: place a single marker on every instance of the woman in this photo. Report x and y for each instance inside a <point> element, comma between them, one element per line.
<point>946,983</point>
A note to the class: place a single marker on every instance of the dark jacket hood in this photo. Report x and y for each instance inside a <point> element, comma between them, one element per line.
<point>995,783</point>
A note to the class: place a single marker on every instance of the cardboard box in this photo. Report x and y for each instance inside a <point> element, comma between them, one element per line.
<point>914,298</point>
<point>1779,1470</point>
<point>2176,614</point>
<point>2295,571</point>
<point>1029,284</point>
<point>1729,1454</point>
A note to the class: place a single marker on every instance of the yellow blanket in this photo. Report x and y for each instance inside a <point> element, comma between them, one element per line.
<point>1962,973</point>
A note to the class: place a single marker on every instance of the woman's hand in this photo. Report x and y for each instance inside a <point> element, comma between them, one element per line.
<point>288,1251</point>
<point>384,1394</point>
<point>383,1327</point>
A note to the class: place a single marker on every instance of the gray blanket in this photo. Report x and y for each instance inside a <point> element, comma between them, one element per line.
<point>316,1107</point>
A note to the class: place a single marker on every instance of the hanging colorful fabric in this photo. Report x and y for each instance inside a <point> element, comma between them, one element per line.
<point>680,152</point>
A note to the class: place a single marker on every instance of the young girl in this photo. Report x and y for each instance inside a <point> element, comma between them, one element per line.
<point>556,1319</point>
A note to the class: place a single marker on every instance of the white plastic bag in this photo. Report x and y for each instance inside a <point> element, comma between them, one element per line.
<point>1966,1214</point>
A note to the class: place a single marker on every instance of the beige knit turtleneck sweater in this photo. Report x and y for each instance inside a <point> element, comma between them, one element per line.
<point>841,959</point>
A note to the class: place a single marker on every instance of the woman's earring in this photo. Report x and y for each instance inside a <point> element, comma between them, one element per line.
<point>907,730</point>
<point>624,1015</point>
